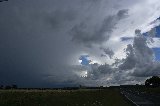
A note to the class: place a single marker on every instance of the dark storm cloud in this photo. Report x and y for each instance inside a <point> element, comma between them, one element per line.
<point>108,52</point>
<point>59,18</point>
<point>30,47</point>
<point>88,35</point>
<point>35,43</point>
<point>36,48</point>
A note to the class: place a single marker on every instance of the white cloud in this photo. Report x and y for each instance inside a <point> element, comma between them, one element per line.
<point>138,18</point>
<point>155,43</point>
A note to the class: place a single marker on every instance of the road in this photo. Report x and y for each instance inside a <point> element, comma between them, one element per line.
<point>141,98</point>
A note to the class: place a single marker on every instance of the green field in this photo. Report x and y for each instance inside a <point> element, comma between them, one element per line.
<point>107,97</point>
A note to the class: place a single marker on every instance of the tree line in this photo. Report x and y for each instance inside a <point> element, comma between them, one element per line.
<point>153,81</point>
<point>9,86</point>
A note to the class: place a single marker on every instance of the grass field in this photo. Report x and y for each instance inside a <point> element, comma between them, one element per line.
<point>107,97</point>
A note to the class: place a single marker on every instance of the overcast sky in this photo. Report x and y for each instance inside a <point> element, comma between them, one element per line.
<point>50,43</point>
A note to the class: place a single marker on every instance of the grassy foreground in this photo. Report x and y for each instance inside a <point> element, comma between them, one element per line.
<point>107,97</point>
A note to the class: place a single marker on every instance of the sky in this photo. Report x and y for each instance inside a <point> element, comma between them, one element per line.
<point>57,43</point>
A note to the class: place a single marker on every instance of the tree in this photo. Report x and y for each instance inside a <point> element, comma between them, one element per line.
<point>147,82</point>
<point>153,81</point>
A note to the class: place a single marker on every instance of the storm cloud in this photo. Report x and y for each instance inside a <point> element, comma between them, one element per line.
<point>41,42</point>
<point>88,32</point>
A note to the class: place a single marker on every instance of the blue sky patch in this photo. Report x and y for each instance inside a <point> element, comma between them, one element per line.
<point>158,31</point>
<point>85,60</point>
<point>157,53</point>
